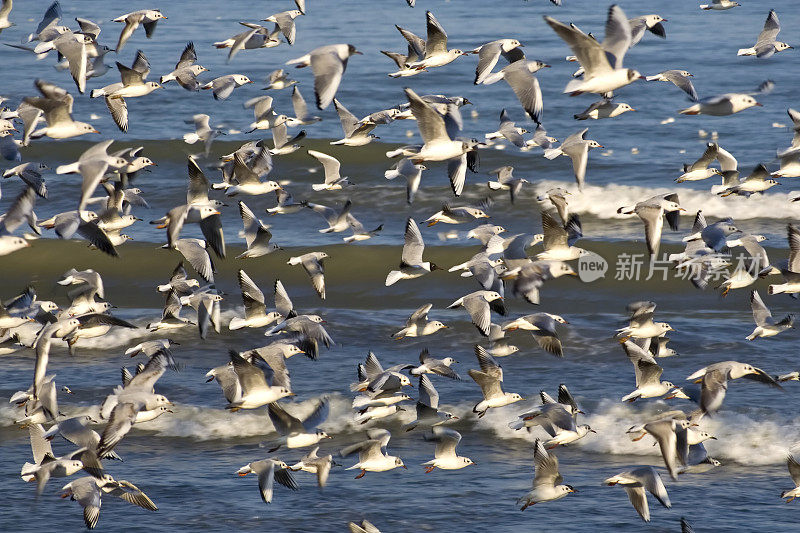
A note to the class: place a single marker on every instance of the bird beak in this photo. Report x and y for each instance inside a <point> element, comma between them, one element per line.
<point>358,53</point>
<point>642,78</point>
<point>681,209</point>
<point>209,380</point>
<point>759,104</point>
<point>95,131</point>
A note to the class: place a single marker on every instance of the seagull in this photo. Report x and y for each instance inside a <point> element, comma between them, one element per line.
<point>719,5</point>
<point>506,180</point>
<point>133,85</point>
<point>312,263</point>
<point>411,263</point>
<point>5,10</point>
<point>641,323</point>
<point>543,328</point>
<point>651,23</point>
<point>445,456</point>
<point>756,182</point>
<point>418,324</point>
<point>603,108</point>
<point>558,197</point>
<point>403,60</point>
<point>479,305</point>
<point>458,214</point>
<point>88,492</point>
<point>333,179</point>
<point>281,143</point>
<point>411,172</point>
<point>652,213</point>
<point>648,381</point>
<point>430,365</point>
<point>255,36</point>
<point>489,54</point>
<point>766,44</point>
<point>547,480</point>
<point>699,170</point>
<point>356,132</point>
<point>278,79</point>
<point>436,52</point>
<point>735,370</point>
<point>296,432</point>
<point>671,436</point>
<point>301,115</point>
<point>679,78</point>
<point>223,86</point>
<point>203,132</point>
<point>794,472</point>
<point>508,130</point>
<point>285,21</point>
<point>311,462</point>
<point>255,309</point>
<point>791,269</point>
<point>498,346</point>
<point>247,179</point>
<point>438,144</point>
<point>576,147</point>
<point>636,482</point>
<point>558,240</point>
<point>58,115</point>
<point>146,17</point>
<point>285,204</point>
<point>328,64</point>
<point>92,165</point>
<point>600,75</point>
<point>186,71</point>
<point>269,471</point>
<point>428,412</point>
<point>256,233</point>
<point>372,454</point>
<point>520,77</point>
<point>255,390</point>
<point>728,103</point>
<point>490,378</point>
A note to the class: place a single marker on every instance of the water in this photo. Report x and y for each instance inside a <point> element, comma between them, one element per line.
<point>185,461</point>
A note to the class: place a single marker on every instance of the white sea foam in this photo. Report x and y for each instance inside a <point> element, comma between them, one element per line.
<point>602,201</point>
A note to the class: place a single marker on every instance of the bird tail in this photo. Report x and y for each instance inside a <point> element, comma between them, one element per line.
<point>393,277</point>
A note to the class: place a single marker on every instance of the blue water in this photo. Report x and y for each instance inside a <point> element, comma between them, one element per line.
<point>186,461</point>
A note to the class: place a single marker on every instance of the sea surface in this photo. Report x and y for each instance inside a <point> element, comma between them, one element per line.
<point>186,461</point>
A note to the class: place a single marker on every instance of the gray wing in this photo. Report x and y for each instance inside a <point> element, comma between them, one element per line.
<point>457,173</point>
<point>437,37</point>
<point>318,415</point>
<point>546,467</point>
<point>413,245</point>
<point>328,70</point>
<point>638,498</point>
<point>555,236</point>
<point>427,392</point>
<point>761,315</point>
<point>197,191</point>
<point>252,297</point>
<point>283,304</point>
<point>772,27</point>
<point>284,423</point>
<point>664,433</point>
<point>430,123</point>
<point>479,312</point>
<point>653,225</point>
<point>681,82</point>
<point>708,156</point>
<point>131,494</point>
<point>490,386</point>
<point>487,58</point>
<point>198,257</point>
<point>526,87</point>
<point>223,87</point>
<point>120,423</point>
<point>317,274</point>
<point>648,373</point>
<point>349,121</point>
<point>589,52</point>
<point>420,315</point>
<point>618,35</point>
<point>794,469</point>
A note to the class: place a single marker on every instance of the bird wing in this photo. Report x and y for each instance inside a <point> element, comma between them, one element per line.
<point>328,71</point>
<point>761,314</point>
<point>589,52</point>
<point>427,392</point>
<point>330,165</point>
<point>252,297</point>
<point>546,467</point>
<point>430,123</point>
<point>437,37</point>
<point>526,87</point>
<point>413,245</point>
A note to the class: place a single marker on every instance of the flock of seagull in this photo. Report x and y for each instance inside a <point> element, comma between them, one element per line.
<point>259,377</point>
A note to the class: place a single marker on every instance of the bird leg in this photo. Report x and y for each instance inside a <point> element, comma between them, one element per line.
<point>430,469</point>
<point>362,474</point>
